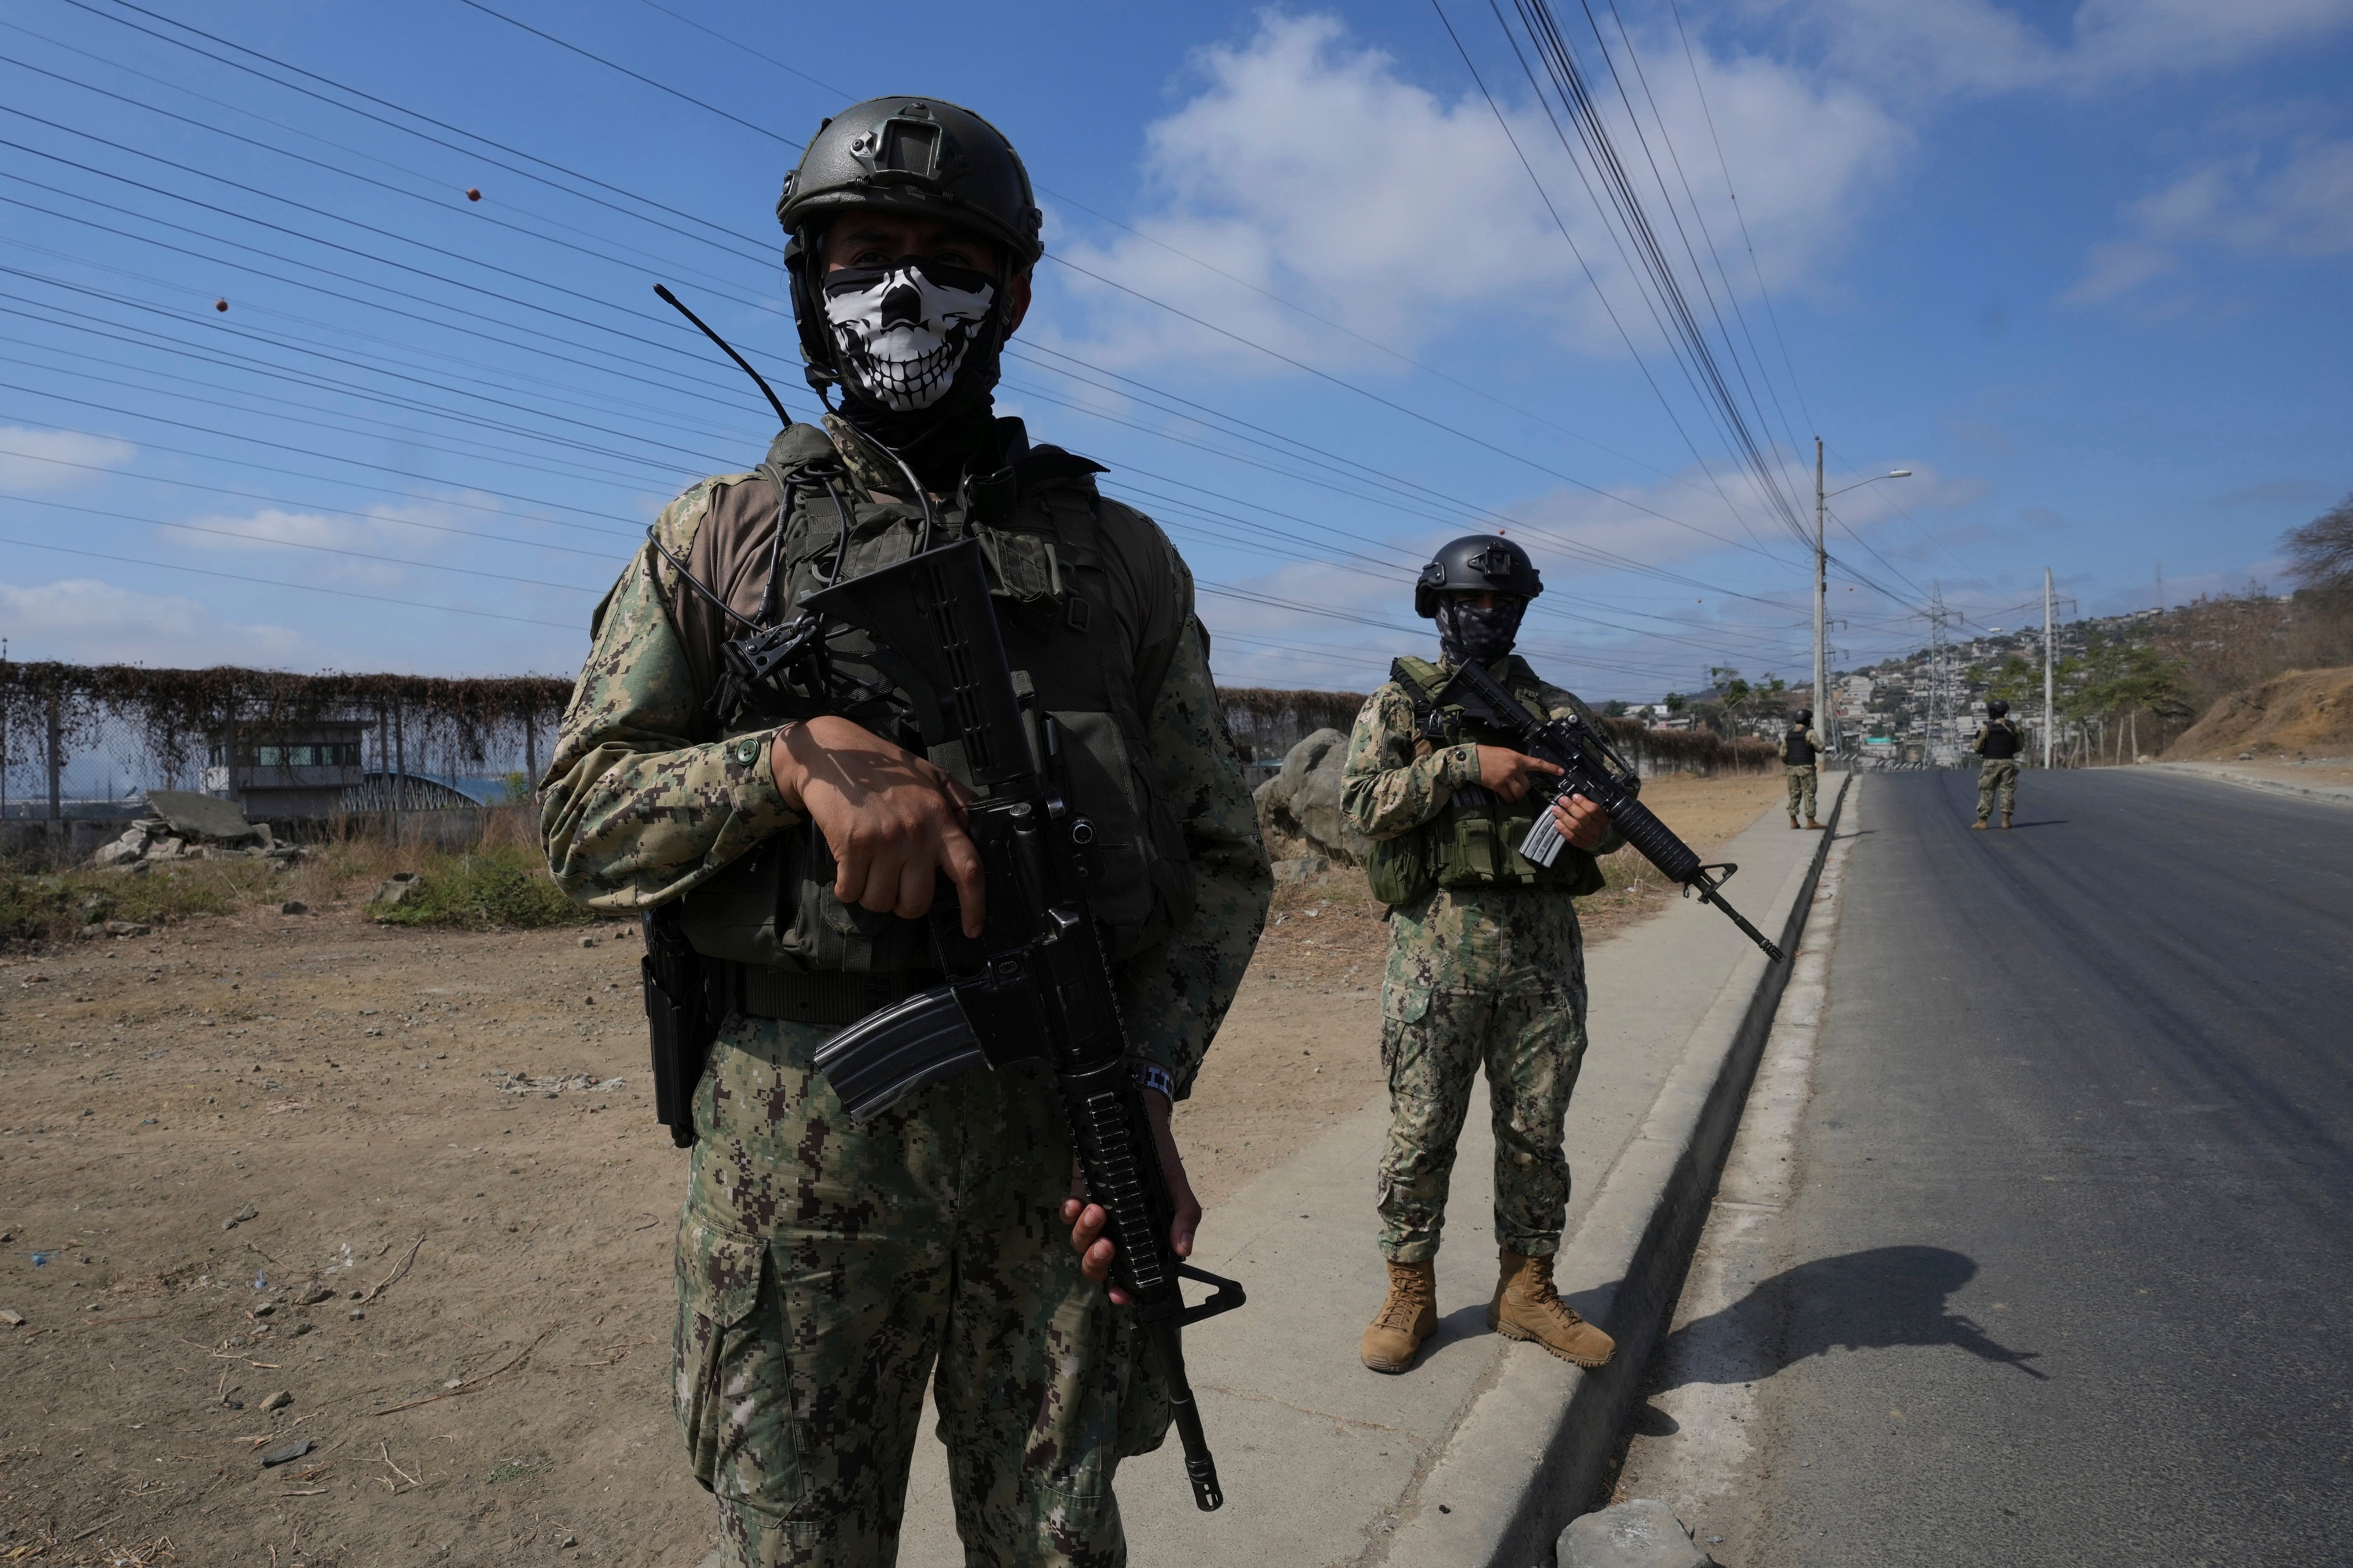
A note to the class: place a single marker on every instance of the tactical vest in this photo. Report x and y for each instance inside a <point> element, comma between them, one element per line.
<point>1068,624</point>
<point>2002,743</point>
<point>1474,839</point>
<point>1796,750</point>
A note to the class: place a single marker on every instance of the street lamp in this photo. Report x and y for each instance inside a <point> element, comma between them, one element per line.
<point>1826,710</point>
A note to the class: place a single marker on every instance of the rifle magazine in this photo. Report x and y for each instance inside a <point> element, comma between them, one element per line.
<point>1541,845</point>
<point>889,1054</point>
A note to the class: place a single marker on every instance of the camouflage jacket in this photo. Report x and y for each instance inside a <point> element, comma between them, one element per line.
<point>1396,780</point>
<point>641,802</point>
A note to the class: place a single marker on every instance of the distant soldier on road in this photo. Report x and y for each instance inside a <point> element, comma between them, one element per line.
<point>1799,749</point>
<point>1486,962</point>
<point>1998,742</point>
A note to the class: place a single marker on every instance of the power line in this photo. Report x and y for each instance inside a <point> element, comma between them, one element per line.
<point>1070,266</point>
<point>1236,278</point>
<point>301,545</point>
<point>298,587</point>
<point>1531,531</point>
<point>602,555</point>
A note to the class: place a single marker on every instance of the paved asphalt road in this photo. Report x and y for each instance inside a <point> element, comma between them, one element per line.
<point>2070,1272</point>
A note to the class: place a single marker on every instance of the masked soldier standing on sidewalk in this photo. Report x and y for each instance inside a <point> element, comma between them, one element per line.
<point>827,1269</point>
<point>1486,962</point>
<point>2000,741</point>
<point>1801,750</point>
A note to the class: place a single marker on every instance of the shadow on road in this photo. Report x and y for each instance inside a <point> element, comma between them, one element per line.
<point>1877,1299</point>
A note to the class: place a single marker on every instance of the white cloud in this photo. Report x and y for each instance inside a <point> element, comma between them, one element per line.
<point>1311,167</point>
<point>1978,46</point>
<point>83,620</point>
<point>2294,208</point>
<point>302,540</point>
<point>42,460</point>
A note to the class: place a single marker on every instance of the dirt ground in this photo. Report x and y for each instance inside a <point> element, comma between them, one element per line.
<point>270,1180</point>
<point>2305,714</point>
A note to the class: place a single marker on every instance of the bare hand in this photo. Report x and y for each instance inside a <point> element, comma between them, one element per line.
<point>1506,772</point>
<point>1086,1220</point>
<point>893,821</point>
<point>1581,821</point>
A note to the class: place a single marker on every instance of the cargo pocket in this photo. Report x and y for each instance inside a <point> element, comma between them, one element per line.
<point>1407,1002</point>
<point>732,1388</point>
<point>1403,1004</point>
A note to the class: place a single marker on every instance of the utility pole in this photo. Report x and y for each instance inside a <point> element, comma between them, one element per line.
<point>1825,712</point>
<point>2046,667</point>
<point>1939,696</point>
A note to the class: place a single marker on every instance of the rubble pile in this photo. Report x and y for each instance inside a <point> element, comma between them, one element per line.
<point>182,826</point>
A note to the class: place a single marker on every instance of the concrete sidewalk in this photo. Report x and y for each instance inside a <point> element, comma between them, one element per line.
<point>1325,1462</point>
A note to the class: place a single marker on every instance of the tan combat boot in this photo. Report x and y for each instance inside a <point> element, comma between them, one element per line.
<point>2005,819</point>
<point>1527,1307</point>
<point>1812,824</point>
<point>1793,819</point>
<point>1979,826</point>
<point>1408,1317</point>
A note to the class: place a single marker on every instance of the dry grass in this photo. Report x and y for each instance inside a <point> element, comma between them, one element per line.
<point>496,880</point>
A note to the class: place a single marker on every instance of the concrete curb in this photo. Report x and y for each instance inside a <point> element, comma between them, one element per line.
<point>1525,1458</point>
<point>2331,794</point>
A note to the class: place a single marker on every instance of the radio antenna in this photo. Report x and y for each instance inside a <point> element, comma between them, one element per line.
<point>673,301</point>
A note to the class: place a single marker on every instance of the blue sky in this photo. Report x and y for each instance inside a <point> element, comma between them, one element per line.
<point>2082,269</point>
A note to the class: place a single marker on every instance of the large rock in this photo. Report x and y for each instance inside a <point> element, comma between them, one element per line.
<point>1644,1533</point>
<point>1299,808</point>
<point>200,816</point>
<point>130,847</point>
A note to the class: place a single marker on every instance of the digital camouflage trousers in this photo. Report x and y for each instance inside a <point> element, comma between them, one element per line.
<point>1803,780</point>
<point>826,1270</point>
<point>1480,978</point>
<point>1998,776</point>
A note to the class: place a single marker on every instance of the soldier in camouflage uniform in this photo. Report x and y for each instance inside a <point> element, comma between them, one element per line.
<point>1998,742</point>
<point>1801,749</point>
<point>826,1271</point>
<point>1486,963</point>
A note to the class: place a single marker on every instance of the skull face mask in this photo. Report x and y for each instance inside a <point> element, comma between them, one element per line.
<point>901,333</point>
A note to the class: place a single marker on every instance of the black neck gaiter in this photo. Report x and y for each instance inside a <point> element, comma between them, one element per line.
<point>1468,635</point>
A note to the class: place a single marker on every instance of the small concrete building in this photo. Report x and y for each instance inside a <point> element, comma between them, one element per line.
<point>284,771</point>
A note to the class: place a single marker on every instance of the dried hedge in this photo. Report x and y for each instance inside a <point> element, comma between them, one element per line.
<point>464,719</point>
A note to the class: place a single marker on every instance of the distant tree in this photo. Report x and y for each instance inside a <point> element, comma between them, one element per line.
<point>2320,554</point>
<point>1613,709</point>
<point>1677,701</point>
<point>1735,694</point>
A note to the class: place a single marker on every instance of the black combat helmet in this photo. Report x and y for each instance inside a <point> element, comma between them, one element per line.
<point>1805,717</point>
<point>1476,564</point>
<point>921,156</point>
<point>1997,709</point>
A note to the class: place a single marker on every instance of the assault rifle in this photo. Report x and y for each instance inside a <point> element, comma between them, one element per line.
<point>1588,766</point>
<point>1035,984</point>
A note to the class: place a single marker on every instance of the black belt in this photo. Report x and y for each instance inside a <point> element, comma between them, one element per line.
<point>817,997</point>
